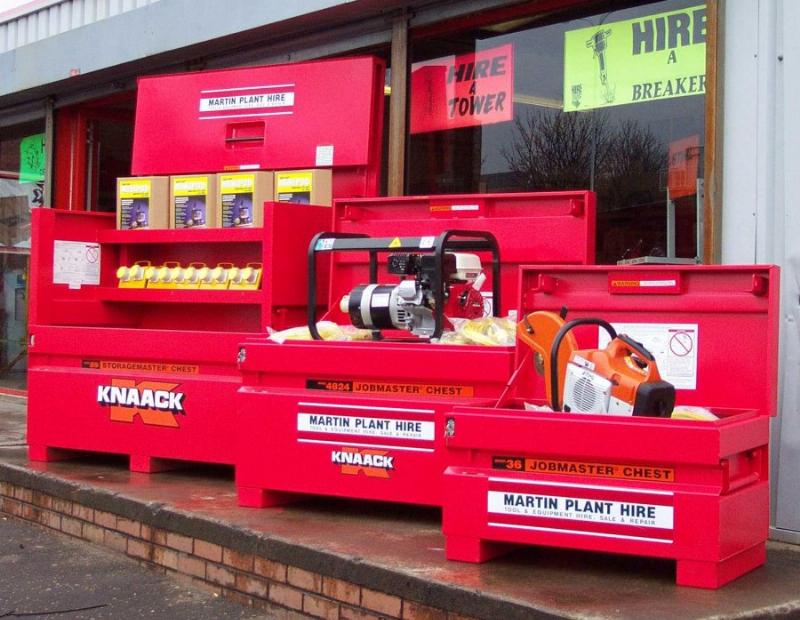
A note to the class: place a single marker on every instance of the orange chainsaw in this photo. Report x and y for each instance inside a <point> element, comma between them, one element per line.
<point>622,379</point>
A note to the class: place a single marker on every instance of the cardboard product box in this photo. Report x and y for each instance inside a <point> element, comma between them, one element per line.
<point>241,197</point>
<point>192,201</point>
<point>304,186</point>
<point>142,203</point>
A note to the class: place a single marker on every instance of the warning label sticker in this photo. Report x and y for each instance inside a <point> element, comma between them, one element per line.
<point>365,427</point>
<point>380,388</point>
<point>575,468</point>
<point>674,346</point>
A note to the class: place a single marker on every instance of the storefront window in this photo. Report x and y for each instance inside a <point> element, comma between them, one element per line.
<point>22,164</point>
<point>609,100</point>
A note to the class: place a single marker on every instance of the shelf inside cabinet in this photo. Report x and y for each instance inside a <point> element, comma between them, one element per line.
<point>180,296</point>
<point>181,235</point>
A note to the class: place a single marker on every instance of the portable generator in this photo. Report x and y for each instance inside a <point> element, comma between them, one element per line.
<point>437,280</point>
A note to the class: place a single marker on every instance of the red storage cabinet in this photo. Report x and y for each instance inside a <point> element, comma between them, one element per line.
<point>174,347</point>
<point>366,419</point>
<point>693,491</point>
<point>92,342</point>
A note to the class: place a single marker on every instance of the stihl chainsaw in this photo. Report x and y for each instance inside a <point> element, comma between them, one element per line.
<point>622,379</point>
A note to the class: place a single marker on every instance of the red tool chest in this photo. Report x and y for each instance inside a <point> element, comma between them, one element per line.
<point>689,490</point>
<point>93,344</point>
<point>365,419</point>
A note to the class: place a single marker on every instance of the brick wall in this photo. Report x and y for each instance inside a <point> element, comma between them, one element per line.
<point>284,590</point>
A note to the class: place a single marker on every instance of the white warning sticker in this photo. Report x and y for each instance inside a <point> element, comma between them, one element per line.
<point>674,346</point>
<point>76,263</point>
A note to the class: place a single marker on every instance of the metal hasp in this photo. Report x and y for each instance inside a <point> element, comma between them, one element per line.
<point>449,240</point>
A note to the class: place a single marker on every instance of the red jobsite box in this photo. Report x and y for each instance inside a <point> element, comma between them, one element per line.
<point>365,419</point>
<point>530,227</point>
<point>321,114</point>
<point>694,491</point>
<point>151,372</point>
<point>361,420</point>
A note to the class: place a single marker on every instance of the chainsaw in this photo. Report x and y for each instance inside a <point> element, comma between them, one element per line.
<point>622,379</point>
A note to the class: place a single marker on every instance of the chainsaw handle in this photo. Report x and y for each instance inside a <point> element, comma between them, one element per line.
<point>637,347</point>
<point>625,346</point>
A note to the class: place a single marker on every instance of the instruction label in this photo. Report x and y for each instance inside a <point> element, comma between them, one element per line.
<point>674,346</point>
<point>404,389</point>
<point>365,427</point>
<point>76,263</point>
<point>591,510</point>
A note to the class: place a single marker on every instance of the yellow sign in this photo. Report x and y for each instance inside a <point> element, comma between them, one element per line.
<point>237,183</point>
<point>190,186</point>
<point>134,188</point>
<point>649,58</point>
<point>396,243</point>
<point>293,181</point>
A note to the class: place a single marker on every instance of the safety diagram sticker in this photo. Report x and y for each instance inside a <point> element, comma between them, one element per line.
<point>674,346</point>
<point>76,263</point>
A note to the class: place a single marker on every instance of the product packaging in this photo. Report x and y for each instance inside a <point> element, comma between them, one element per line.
<point>142,203</point>
<point>304,186</point>
<point>241,197</point>
<point>192,201</point>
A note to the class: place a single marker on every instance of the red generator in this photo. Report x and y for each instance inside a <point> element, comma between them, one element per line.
<point>366,419</point>
<point>151,372</point>
<point>696,491</point>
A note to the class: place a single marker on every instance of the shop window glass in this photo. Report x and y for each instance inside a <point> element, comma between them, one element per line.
<point>22,164</point>
<point>610,100</point>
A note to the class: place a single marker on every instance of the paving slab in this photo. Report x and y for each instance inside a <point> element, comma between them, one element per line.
<point>45,574</point>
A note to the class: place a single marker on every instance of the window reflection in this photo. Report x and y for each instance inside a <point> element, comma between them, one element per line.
<point>637,141</point>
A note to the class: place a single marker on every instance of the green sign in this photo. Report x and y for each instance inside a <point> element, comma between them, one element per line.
<point>31,159</point>
<point>645,59</point>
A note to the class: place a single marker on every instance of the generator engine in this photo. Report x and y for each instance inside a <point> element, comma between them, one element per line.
<point>410,305</point>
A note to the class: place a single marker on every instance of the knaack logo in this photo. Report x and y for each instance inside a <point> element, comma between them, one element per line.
<point>155,403</point>
<point>372,463</point>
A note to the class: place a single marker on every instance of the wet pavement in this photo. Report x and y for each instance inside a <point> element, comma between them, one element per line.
<point>49,575</point>
<point>404,549</point>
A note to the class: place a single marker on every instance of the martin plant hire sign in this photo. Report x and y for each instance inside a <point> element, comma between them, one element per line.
<point>654,57</point>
